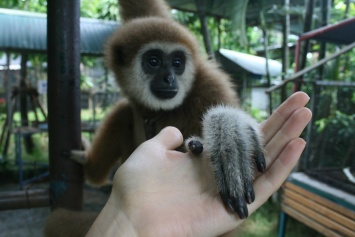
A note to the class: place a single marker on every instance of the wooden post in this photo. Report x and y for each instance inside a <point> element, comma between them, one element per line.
<point>63,44</point>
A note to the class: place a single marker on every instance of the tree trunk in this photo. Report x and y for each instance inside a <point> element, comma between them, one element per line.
<point>204,28</point>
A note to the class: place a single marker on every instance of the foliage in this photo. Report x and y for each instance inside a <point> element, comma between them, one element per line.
<point>335,139</point>
<point>106,9</point>
<point>99,9</point>
<point>341,124</point>
<point>2,105</point>
<point>338,11</point>
<point>29,5</point>
<point>264,223</point>
<point>333,134</point>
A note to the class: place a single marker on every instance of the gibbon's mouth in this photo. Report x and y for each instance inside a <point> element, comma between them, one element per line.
<point>165,93</point>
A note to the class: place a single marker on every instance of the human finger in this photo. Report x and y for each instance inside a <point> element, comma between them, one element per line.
<point>266,184</point>
<point>273,124</point>
<point>290,130</point>
<point>170,137</point>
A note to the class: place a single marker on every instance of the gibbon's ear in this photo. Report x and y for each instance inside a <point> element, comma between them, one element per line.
<point>131,9</point>
<point>114,54</point>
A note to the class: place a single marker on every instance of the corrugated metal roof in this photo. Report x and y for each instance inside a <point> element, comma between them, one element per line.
<point>253,64</point>
<point>342,32</point>
<point>26,31</point>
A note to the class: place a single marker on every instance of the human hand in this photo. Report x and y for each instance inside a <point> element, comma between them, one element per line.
<point>162,192</point>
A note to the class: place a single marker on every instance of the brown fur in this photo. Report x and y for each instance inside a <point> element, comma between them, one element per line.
<point>65,223</point>
<point>127,40</point>
<point>211,87</point>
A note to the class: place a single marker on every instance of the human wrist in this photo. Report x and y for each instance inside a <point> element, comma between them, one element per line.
<point>112,221</point>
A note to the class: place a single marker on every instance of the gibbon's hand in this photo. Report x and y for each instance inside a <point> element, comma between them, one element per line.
<point>162,192</point>
<point>231,141</point>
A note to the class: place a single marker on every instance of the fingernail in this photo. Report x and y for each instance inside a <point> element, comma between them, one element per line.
<point>241,213</point>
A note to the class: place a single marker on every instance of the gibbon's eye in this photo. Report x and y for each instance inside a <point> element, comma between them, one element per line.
<point>177,63</point>
<point>154,62</point>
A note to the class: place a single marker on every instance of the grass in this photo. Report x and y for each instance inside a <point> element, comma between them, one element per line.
<point>264,223</point>
<point>40,140</point>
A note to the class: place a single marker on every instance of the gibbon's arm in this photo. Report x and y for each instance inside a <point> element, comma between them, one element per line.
<point>113,140</point>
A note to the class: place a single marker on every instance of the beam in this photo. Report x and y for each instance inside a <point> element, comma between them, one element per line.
<point>310,68</point>
<point>24,199</point>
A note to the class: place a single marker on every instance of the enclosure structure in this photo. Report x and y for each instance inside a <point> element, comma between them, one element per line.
<point>68,38</point>
<point>322,195</point>
<point>249,72</point>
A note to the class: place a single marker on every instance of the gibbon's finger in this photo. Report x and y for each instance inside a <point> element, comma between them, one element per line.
<point>266,184</point>
<point>276,120</point>
<point>290,130</point>
<point>79,156</point>
<point>170,137</point>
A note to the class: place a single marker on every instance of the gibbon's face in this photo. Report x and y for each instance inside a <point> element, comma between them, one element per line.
<point>162,75</point>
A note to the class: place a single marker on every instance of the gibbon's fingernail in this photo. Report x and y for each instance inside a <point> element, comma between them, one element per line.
<point>196,147</point>
<point>261,165</point>
<point>230,206</point>
<point>250,196</point>
<point>242,212</point>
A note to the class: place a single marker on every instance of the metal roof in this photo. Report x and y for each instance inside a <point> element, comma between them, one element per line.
<point>342,32</point>
<point>22,31</point>
<point>253,64</point>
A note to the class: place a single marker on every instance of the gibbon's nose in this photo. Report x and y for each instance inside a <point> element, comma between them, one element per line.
<point>169,79</point>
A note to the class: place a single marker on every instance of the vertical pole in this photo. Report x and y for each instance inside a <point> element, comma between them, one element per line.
<point>326,7</point>
<point>24,94</point>
<point>307,26</point>
<point>6,132</point>
<point>8,91</point>
<point>23,91</point>
<point>200,5</point>
<point>63,44</point>
<point>19,162</point>
<point>285,51</point>
<point>282,224</point>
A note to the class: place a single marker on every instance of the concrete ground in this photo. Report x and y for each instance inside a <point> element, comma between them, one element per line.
<point>30,222</point>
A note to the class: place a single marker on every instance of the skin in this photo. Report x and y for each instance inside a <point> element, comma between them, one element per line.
<point>162,192</point>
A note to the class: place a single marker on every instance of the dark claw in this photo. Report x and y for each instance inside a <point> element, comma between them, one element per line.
<point>260,163</point>
<point>242,213</point>
<point>196,147</point>
<point>249,194</point>
<point>237,205</point>
<point>227,202</point>
<point>242,208</point>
